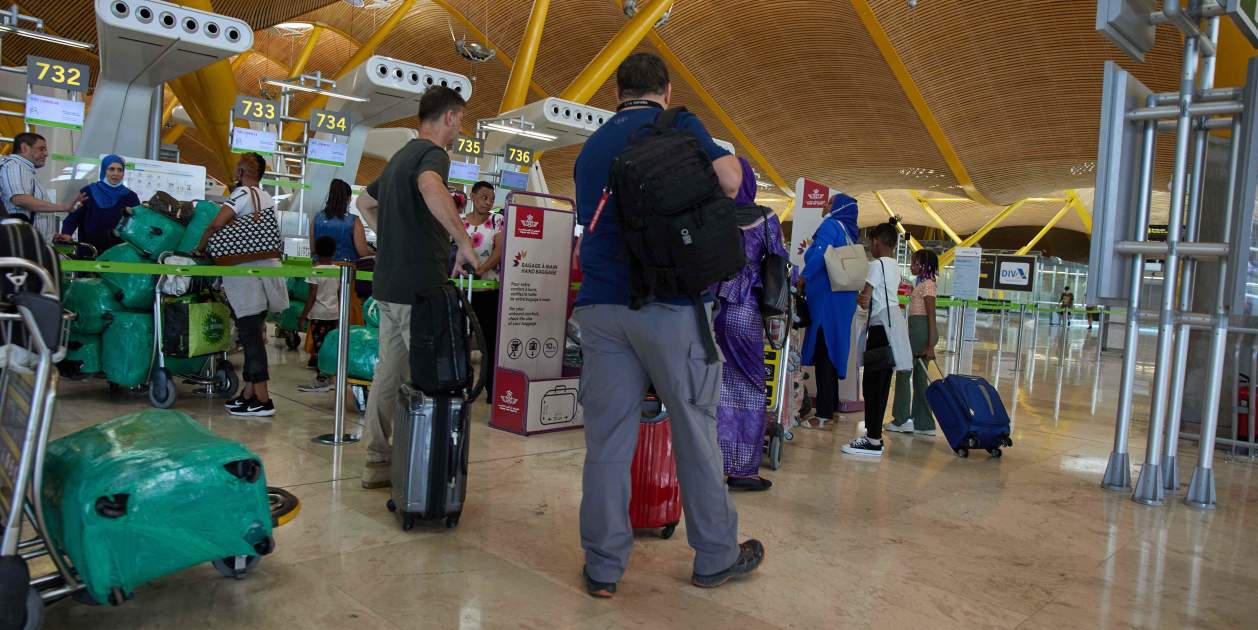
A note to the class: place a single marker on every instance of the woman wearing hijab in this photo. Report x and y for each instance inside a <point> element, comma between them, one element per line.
<point>828,341</point>
<point>739,327</point>
<point>96,218</point>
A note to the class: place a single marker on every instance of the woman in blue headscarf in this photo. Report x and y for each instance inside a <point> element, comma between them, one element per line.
<point>96,218</point>
<point>828,341</point>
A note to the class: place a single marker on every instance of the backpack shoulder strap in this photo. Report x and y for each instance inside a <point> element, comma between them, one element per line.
<point>668,118</point>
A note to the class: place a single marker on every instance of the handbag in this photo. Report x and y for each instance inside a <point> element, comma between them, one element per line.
<point>775,279</point>
<point>246,239</point>
<point>881,358</point>
<point>846,266</point>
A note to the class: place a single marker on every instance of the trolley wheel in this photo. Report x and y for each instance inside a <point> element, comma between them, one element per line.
<point>34,609</point>
<point>292,339</point>
<point>162,390</point>
<point>112,387</point>
<point>408,523</point>
<point>775,452</point>
<point>668,530</point>
<point>390,505</point>
<point>452,521</point>
<point>227,566</point>
<point>284,505</point>
<point>789,435</point>
<point>226,381</point>
<point>963,452</point>
<point>117,597</point>
<point>995,452</point>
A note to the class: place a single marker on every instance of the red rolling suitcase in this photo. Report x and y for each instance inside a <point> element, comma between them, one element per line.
<point>656,498</point>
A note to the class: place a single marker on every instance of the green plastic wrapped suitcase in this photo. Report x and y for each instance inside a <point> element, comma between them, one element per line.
<point>150,493</point>
<point>288,319</point>
<point>194,328</point>
<point>93,303</point>
<point>150,231</point>
<point>201,219</point>
<point>364,352</point>
<point>298,289</point>
<point>86,350</point>
<point>133,290</point>
<point>127,349</point>
<point>371,313</point>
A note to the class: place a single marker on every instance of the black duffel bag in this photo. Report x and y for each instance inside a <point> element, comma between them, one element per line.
<point>441,353</point>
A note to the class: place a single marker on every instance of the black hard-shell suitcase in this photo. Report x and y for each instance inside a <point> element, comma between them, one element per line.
<point>19,239</point>
<point>430,449</point>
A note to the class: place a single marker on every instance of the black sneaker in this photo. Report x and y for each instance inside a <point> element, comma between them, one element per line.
<point>864,447</point>
<point>750,555</point>
<point>750,484</point>
<point>254,408</point>
<point>235,402</point>
<point>601,590</point>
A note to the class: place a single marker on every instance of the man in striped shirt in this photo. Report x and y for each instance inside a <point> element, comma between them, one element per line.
<point>20,191</point>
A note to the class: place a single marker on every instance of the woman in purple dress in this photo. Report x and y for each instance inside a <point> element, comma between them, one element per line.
<point>741,417</point>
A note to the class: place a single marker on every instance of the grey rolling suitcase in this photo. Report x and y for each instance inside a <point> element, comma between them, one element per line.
<point>430,449</point>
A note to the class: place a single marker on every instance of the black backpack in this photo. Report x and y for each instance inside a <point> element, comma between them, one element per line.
<point>680,229</point>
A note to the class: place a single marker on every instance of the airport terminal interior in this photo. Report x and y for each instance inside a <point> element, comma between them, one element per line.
<point>1056,428</point>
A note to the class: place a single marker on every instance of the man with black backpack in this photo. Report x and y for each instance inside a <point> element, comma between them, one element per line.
<point>655,196</point>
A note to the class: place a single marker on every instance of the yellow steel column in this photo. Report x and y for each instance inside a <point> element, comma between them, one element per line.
<point>1047,226</point>
<point>304,58</point>
<point>517,91</point>
<point>605,62</point>
<point>913,243</point>
<point>970,240</point>
<point>934,216</point>
<point>1081,210</point>
<point>477,34</point>
<point>292,130</point>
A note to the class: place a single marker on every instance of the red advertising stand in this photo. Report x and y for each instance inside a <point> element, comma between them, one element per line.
<point>533,390</point>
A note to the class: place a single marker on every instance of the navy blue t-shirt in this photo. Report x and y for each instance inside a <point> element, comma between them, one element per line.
<point>604,260</point>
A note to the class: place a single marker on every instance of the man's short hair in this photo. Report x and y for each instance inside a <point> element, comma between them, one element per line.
<point>481,184</point>
<point>25,139</point>
<point>641,74</point>
<point>437,101</point>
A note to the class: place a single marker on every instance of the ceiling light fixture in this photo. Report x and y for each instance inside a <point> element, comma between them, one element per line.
<point>536,135</point>
<point>6,29</point>
<point>287,85</point>
<point>631,9</point>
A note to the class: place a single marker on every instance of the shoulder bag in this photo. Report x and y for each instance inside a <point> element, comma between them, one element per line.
<point>775,277</point>
<point>846,266</point>
<point>881,358</point>
<point>247,238</point>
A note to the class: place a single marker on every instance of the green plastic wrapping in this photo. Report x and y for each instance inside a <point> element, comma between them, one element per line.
<point>201,218</point>
<point>185,367</point>
<point>371,313</point>
<point>288,319</point>
<point>85,349</point>
<point>127,349</point>
<point>150,231</point>
<point>93,303</point>
<point>364,352</point>
<point>183,506</point>
<point>298,290</point>
<point>192,328</point>
<point>133,290</point>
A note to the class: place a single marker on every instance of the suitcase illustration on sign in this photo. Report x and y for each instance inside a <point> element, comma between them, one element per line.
<point>559,406</point>
<point>656,497</point>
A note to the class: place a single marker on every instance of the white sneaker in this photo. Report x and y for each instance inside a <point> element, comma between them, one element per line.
<point>905,427</point>
<point>926,433</point>
<point>864,447</point>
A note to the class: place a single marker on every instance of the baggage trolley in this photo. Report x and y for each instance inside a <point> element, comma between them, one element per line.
<point>217,376</point>
<point>778,367</point>
<point>33,335</point>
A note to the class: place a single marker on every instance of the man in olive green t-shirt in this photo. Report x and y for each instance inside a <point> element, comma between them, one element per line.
<point>413,215</point>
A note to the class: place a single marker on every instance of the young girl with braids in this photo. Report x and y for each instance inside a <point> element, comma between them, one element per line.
<point>911,413</point>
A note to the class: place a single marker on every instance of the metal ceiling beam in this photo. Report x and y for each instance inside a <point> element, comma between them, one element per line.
<point>299,66</point>
<point>215,87</point>
<point>970,240</point>
<point>622,43</point>
<point>517,91</point>
<point>913,242</point>
<point>1047,227</point>
<point>477,34</point>
<point>1081,209</point>
<point>914,94</point>
<point>365,51</point>
<point>934,216</point>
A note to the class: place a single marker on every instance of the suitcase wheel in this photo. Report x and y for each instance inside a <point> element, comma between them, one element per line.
<point>668,530</point>
<point>452,521</point>
<point>391,506</point>
<point>963,452</point>
<point>292,339</point>
<point>236,567</point>
<point>408,523</point>
<point>1006,441</point>
<point>995,452</point>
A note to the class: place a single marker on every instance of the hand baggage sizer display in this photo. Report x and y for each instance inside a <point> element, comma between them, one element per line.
<point>430,436</point>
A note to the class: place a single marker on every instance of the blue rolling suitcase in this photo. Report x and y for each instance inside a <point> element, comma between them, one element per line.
<point>970,412</point>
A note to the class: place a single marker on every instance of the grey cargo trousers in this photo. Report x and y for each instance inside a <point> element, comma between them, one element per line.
<point>623,352</point>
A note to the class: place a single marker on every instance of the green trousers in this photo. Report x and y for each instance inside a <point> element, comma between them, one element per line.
<point>910,400</point>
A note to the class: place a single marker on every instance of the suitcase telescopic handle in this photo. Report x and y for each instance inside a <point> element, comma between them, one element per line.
<point>926,367</point>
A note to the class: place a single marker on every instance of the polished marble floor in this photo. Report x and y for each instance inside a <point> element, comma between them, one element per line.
<point>922,539</point>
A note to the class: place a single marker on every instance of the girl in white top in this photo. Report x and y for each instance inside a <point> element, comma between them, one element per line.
<point>882,283</point>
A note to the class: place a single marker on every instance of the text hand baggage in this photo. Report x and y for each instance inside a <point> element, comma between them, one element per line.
<point>970,413</point>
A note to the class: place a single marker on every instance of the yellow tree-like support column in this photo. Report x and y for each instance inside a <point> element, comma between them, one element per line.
<point>624,42</point>
<point>293,130</point>
<point>934,216</point>
<point>303,58</point>
<point>913,242</point>
<point>970,240</point>
<point>517,91</point>
<point>208,96</point>
<point>1047,226</point>
<point>1081,209</point>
